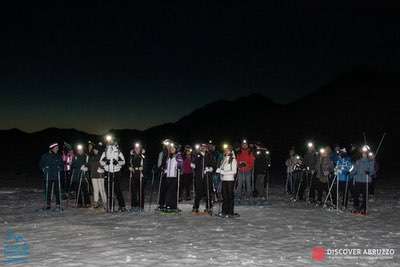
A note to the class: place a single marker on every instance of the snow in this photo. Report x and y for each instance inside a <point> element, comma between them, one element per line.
<point>280,234</point>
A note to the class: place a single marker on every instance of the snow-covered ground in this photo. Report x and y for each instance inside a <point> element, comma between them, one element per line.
<point>281,234</point>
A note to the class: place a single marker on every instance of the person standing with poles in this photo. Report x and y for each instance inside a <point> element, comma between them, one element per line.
<point>362,173</point>
<point>171,165</point>
<point>324,169</point>
<point>202,166</point>
<point>245,159</point>
<point>343,168</point>
<point>228,169</point>
<point>97,177</point>
<point>136,169</point>
<point>112,161</point>
<point>79,181</point>
<point>187,174</point>
<point>310,161</point>
<point>51,165</point>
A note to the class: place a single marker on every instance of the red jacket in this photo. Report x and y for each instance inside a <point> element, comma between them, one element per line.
<point>247,157</point>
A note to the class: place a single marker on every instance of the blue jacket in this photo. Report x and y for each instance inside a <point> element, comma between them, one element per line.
<point>51,164</point>
<point>343,167</point>
<point>361,169</point>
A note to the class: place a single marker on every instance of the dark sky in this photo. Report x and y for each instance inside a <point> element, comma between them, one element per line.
<point>104,64</point>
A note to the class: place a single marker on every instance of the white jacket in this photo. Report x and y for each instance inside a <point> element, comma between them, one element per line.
<point>228,170</point>
<point>112,153</point>
<point>171,167</point>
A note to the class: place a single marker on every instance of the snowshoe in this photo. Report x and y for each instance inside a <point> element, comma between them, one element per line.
<point>58,209</point>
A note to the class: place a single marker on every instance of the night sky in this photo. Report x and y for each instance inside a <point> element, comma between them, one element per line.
<point>113,65</point>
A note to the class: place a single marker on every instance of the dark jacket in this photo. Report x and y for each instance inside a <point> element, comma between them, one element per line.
<point>201,163</point>
<point>94,165</point>
<point>77,163</point>
<point>261,163</point>
<point>51,164</point>
<point>310,161</point>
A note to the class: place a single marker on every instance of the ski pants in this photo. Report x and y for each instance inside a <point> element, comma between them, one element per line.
<point>260,185</point>
<point>99,190</point>
<point>360,189</point>
<point>137,195</point>
<point>171,187</point>
<point>114,179</point>
<point>52,184</point>
<point>344,193</point>
<point>244,184</point>
<point>228,197</point>
<point>186,183</point>
<point>201,186</point>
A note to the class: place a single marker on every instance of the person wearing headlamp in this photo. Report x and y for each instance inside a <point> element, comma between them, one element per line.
<point>245,159</point>
<point>310,161</point>
<point>203,168</point>
<point>112,161</point>
<point>342,170</point>
<point>80,175</point>
<point>227,169</point>
<point>324,169</point>
<point>136,168</point>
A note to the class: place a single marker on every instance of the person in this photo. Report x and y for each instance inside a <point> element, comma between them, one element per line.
<point>324,169</point>
<point>245,159</point>
<point>290,163</point>
<point>79,179</point>
<point>97,176</point>
<point>227,170</point>
<point>67,155</point>
<point>169,183</point>
<point>298,179</point>
<point>187,174</point>
<point>342,171</point>
<point>112,161</point>
<point>136,168</point>
<point>216,158</point>
<point>362,176</point>
<point>310,161</point>
<point>261,165</point>
<point>51,165</point>
<point>203,168</point>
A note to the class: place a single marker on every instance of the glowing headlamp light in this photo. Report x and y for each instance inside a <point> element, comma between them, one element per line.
<point>137,144</point>
<point>109,138</point>
<point>322,151</point>
<point>79,147</point>
<point>197,146</point>
<point>310,145</point>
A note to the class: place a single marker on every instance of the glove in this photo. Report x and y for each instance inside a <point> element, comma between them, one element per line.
<point>141,169</point>
<point>84,169</point>
<point>106,161</point>
<point>193,166</point>
<point>242,164</point>
<point>131,169</point>
<point>218,170</point>
<point>326,173</point>
<point>115,162</point>
<point>367,172</point>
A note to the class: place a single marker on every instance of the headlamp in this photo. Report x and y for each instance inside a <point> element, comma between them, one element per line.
<point>109,138</point>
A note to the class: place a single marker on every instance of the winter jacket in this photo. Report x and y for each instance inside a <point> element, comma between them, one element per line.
<point>186,168</point>
<point>51,164</point>
<point>95,169</point>
<point>247,158</point>
<point>342,169</point>
<point>112,159</point>
<point>324,168</point>
<point>67,158</point>
<point>362,168</point>
<point>261,163</point>
<point>171,167</point>
<point>136,161</point>
<point>201,164</point>
<point>290,164</point>
<point>79,163</point>
<point>228,169</point>
<point>310,160</point>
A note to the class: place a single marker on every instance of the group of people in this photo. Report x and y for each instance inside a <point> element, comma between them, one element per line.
<point>201,173</point>
<point>337,173</point>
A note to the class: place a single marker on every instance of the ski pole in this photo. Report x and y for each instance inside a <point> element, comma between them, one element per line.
<point>140,193</point>
<point>130,188</point>
<point>366,194</point>
<point>380,144</point>
<point>177,191</point>
<point>59,191</point>
<point>112,193</point>
<point>330,190</point>
<point>79,189</point>
<point>152,188</point>
<point>159,190</point>
<point>47,187</point>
